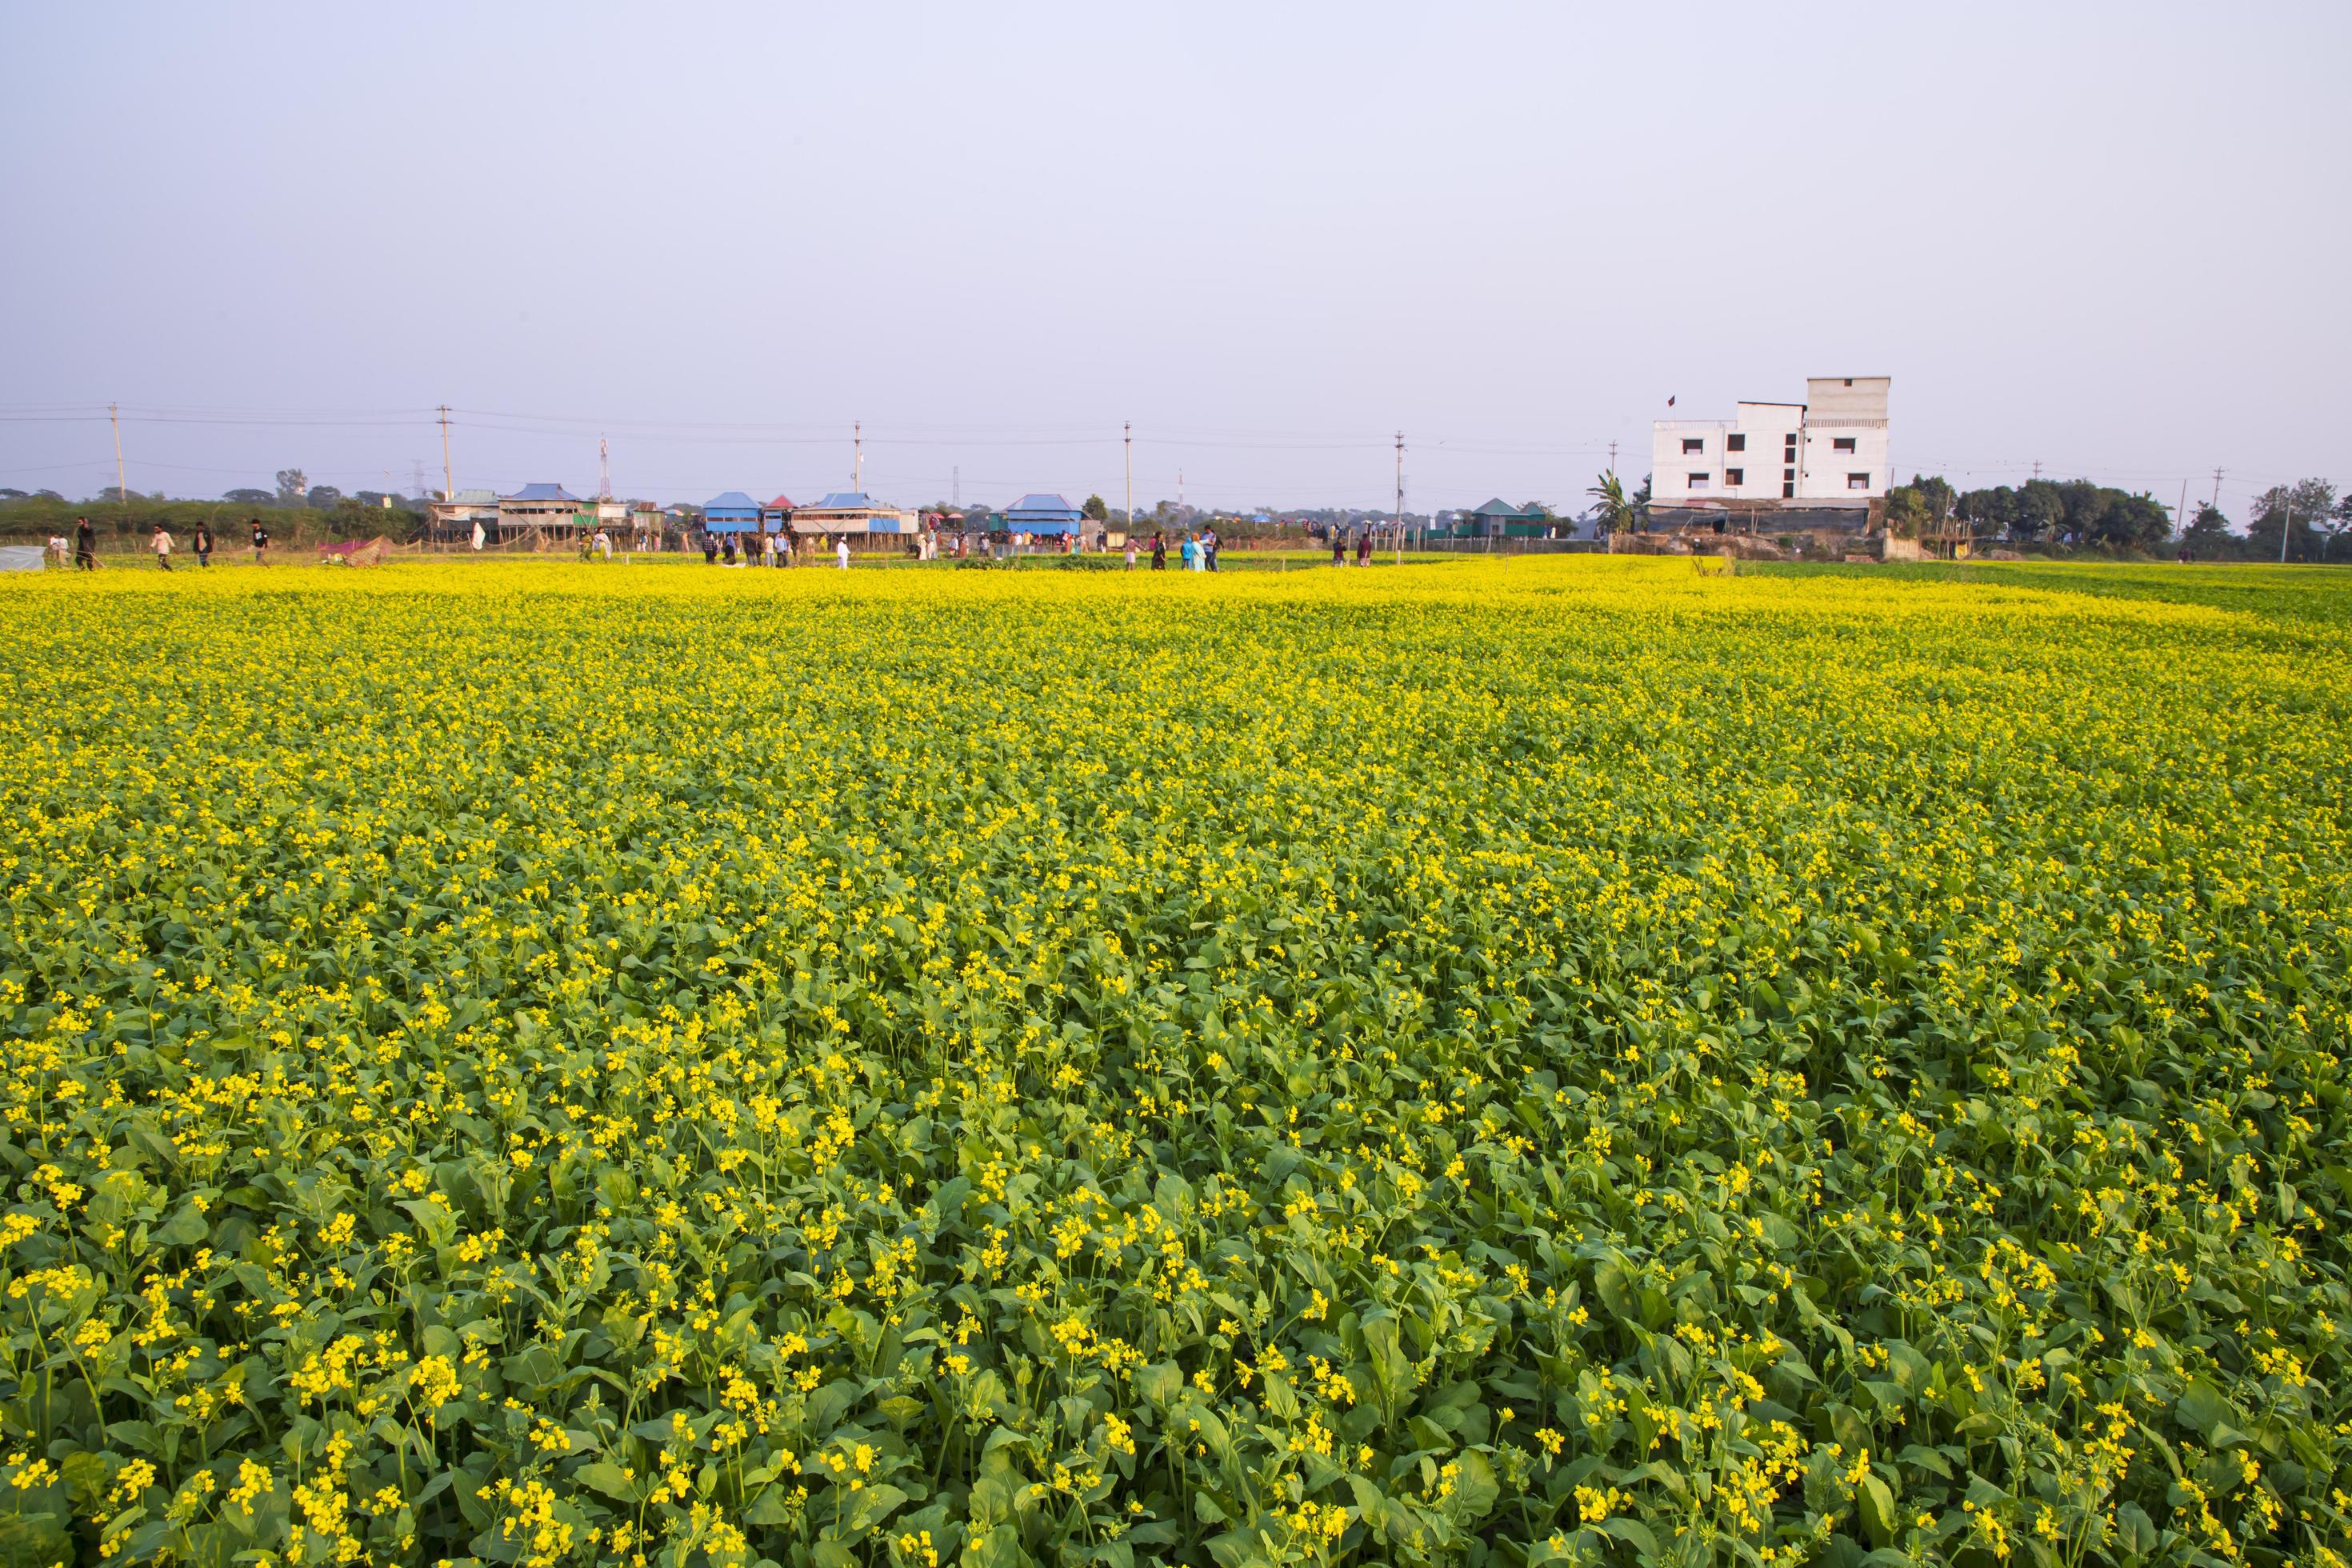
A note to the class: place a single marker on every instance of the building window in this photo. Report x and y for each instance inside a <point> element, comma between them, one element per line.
<point>1788,473</point>
<point>1857,481</point>
<point>1695,482</point>
<point>1787,490</point>
<point>1694,444</point>
<point>1735,443</point>
<point>1842,444</point>
<point>1735,476</point>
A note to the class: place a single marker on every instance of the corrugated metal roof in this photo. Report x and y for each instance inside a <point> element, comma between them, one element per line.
<point>542,492</point>
<point>782,503</point>
<point>1042,507</point>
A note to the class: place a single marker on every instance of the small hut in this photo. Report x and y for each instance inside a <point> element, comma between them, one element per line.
<point>1043,517</point>
<point>853,512</point>
<point>732,513</point>
<point>539,514</point>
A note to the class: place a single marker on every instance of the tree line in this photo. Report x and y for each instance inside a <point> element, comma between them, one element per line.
<point>2085,514</point>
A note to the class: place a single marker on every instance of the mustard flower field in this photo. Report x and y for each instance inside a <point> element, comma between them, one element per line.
<point>1485,1063</point>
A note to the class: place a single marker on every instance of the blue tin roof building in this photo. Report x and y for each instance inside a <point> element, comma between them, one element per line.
<point>734,512</point>
<point>1043,514</point>
<point>853,512</point>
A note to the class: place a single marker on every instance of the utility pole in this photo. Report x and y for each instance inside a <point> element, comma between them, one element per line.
<point>1131,476</point>
<point>121,486</point>
<point>955,487</point>
<point>2286,526</point>
<point>2217,490</point>
<point>448,474</point>
<point>1613,456</point>
<point>857,463</point>
<point>2037,468</point>
<point>2180,519</point>
<point>1399,500</point>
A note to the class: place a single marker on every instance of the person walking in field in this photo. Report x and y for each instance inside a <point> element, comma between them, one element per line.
<point>1209,546</point>
<point>1338,548</point>
<point>1130,555</point>
<point>85,545</point>
<point>841,552</point>
<point>1159,553</point>
<point>161,543</point>
<point>202,540</point>
<point>260,542</point>
<point>1190,552</point>
<point>1364,548</point>
<point>480,536</point>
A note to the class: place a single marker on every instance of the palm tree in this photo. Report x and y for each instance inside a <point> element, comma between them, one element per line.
<point>1618,515</point>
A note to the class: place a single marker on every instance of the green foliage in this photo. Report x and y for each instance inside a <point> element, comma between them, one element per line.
<point>1498,1064</point>
<point>2208,534</point>
<point>2074,511</point>
<point>1923,507</point>
<point>1613,512</point>
<point>2307,510</point>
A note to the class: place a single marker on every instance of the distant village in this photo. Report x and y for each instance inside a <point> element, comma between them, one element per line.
<point>1820,466</point>
<point>1811,479</point>
<point>546,514</point>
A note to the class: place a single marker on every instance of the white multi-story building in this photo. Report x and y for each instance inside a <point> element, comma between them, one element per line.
<point>1827,452</point>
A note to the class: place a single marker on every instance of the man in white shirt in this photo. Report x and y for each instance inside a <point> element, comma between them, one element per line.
<point>162,544</point>
<point>841,552</point>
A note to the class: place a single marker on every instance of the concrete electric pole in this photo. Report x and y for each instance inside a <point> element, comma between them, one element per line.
<point>1400,499</point>
<point>121,486</point>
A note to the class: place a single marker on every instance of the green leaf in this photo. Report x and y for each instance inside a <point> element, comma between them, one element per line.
<point>1878,1510</point>
<point>186,1228</point>
<point>2135,1531</point>
<point>606,1476</point>
<point>1633,1533</point>
<point>1475,1490</point>
<point>2200,1408</point>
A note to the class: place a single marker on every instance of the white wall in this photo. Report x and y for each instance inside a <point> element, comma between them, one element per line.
<point>1822,472</point>
<point>1670,468</point>
<point>1826,470</point>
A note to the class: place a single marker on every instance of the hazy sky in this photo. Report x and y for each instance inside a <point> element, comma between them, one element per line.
<point>2110,237</point>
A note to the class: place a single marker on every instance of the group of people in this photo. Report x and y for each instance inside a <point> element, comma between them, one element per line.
<point>1363,547</point>
<point>1197,552</point>
<point>776,550</point>
<point>85,544</point>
